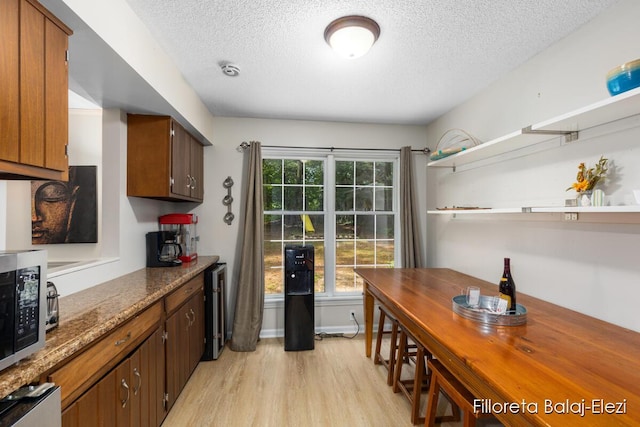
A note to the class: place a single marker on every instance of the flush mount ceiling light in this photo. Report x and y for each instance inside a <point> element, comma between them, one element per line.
<point>352,36</point>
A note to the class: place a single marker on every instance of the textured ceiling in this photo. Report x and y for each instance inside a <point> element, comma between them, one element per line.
<point>431,55</point>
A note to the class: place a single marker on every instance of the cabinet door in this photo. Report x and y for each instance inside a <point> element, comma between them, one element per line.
<point>147,382</point>
<point>31,85</point>
<point>197,169</point>
<point>9,80</point>
<point>148,156</point>
<point>180,161</point>
<point>136,377</point>
<point>96,407</point>
<point>177,353</point>
<point>196,332</point>
<point>56,98</point>
<point>83,411</point>
<point>185,344</point>
<point>124,394</point>
<point>171,359</point>
<point>184,364</point>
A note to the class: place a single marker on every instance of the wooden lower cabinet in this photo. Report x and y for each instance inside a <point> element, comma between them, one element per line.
<point>196,337</point>
<point>136,385</point>
<point>129,395</point>
<point>87,409</point>
<point>185,344</point>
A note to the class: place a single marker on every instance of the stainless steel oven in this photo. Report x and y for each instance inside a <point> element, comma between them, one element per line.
<point>32,407</point>
<point>23,299</point>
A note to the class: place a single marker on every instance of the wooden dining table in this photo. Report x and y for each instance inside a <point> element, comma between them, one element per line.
<point>560,368</point>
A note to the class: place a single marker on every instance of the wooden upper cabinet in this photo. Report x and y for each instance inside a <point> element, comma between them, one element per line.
<point>164,161</point>
<point>181,161</point>
<point>9,80</point>
<point>34,83</point>
<point>56,107</point>
<point>197,169</point>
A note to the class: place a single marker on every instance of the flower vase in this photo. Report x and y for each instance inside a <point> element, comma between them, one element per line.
<point>584,198</point>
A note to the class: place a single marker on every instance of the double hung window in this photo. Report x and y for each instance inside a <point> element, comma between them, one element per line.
<point>343,205</point>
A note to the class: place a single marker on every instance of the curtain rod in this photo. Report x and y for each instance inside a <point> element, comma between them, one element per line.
<point>244,145</point>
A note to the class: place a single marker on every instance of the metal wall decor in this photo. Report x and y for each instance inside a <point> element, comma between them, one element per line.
<point>227,200</point>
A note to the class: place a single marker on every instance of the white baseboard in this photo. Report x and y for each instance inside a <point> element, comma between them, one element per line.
<point>347,330</point>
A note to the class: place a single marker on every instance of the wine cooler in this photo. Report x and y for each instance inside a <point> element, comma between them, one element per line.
<point>215,278</point>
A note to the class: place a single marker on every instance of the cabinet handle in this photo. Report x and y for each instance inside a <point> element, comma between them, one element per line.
<point>194,316</point>
<point>124,340</point>
<point>125,386</point>
<point>193,179</point>
<point>188,319</point>
<point>137,374</point>
<point>188,181</point>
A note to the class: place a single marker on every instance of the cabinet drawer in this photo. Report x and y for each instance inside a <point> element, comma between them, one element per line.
<point>183,293</point>
<point>77,375</point>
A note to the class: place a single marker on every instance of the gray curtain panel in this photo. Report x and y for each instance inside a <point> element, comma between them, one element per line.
<point>410,249</point>
<point>247,321</point>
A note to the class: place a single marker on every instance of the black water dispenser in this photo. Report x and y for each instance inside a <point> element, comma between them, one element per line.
<point>299,319</point>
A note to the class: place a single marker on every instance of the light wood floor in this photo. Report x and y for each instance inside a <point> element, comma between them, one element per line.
<point>332,385</point>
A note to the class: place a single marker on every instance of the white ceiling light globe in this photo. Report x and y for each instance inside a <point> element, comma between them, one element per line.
<point>352,42</point>
<point>352,36</point>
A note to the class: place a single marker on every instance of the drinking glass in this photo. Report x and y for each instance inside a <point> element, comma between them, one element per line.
<point>473,296</point>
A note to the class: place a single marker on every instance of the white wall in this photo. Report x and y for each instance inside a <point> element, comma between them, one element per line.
<point>224,160</point>
<point>590,267</point>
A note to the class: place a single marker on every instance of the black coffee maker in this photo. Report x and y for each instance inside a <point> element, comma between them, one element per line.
<point>162,249</point>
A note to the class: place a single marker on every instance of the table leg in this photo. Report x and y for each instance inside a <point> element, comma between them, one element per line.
<point>368,318</point>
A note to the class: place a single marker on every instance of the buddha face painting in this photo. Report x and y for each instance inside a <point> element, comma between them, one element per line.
<point>52,209</point>
<point>65,212</point>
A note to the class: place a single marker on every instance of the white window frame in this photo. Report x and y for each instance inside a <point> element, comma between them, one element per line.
<point>329,159</point>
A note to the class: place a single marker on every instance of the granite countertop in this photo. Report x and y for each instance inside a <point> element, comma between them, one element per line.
<point>87,315</point>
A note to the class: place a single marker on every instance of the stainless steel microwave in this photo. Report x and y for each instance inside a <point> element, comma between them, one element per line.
<point>23,299</point>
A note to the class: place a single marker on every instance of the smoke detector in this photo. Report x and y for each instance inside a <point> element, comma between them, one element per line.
<point>230,70</point>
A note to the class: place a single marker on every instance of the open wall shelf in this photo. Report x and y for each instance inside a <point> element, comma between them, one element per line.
<point>552,209</point>
<point>617,107</point>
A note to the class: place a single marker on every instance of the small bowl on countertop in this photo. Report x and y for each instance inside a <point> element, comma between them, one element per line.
<point>624,77</point>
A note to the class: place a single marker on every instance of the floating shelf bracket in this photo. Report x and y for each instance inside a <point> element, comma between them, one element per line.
<point>569,135</point>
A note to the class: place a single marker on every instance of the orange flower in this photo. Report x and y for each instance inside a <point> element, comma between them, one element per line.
<point>580,186</point>
<point>586,179</point>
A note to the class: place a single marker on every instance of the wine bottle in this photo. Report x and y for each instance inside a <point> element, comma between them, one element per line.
<point>507,288</point>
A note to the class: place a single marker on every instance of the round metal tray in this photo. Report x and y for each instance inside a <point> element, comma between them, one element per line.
<point>483,314</point>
